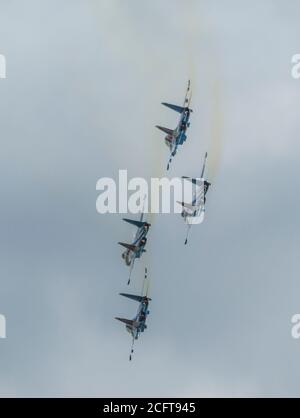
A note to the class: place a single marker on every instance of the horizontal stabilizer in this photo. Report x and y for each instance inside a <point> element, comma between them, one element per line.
<point>138,224</point>
<point>129,322</point>
<point>129,247</point>
<point>178,109</point>
<point>134,297</point>
<point>166,130</point>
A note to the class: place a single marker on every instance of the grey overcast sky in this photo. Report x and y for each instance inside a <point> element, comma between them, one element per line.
<point>85,79</point>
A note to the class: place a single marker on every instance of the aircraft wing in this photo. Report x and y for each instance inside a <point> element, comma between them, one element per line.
<point>129,247</point>
<point>178,109</point>
<point>138,224</point>
<point>189,206</point>
<point>133,297</point>
<point>129,322</point>
<point>198,182</point>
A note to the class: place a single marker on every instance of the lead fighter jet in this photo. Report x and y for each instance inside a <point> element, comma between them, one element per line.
<point>178,136</point>
<point>137,248</point>
<point>137,325</point>
<point>193,213</point>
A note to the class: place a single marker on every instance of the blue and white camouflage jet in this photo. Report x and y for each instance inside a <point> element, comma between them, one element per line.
<point>177,136</point>
<point>137,325</point>
<point>137,248</point>
<point>193,213</point>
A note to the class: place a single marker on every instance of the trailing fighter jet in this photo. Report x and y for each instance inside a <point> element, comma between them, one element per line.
<point>193,213</point>
<point>177,136</point>
<point>138,324</point>
<point>137,248</point>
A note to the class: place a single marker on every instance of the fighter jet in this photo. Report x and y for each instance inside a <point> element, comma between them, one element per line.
<point>138,324</point>
<point>137,248</point>
<point>193,213</point>
<point>178,136</point>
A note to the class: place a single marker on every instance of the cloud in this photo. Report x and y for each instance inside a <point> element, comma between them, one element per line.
<point>84,106</point>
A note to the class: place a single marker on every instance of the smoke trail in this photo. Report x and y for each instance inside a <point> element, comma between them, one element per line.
<point>152,66</point>
<point>216,133</point>
<point>149,67</point>
<point>191,30</point>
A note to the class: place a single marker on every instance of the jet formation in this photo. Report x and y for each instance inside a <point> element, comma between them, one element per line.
<point>192,213</point>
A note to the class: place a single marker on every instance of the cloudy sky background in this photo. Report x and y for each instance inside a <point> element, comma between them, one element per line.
<point>85,79</point>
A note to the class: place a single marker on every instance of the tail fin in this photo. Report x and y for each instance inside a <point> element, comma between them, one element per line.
<point>165,130</point>
<point>204,165</point>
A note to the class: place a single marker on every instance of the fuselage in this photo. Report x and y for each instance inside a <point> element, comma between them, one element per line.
<point>139,322</point>
<point>179,134</point>
<point>199,200</point>
<point>140,242</point>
